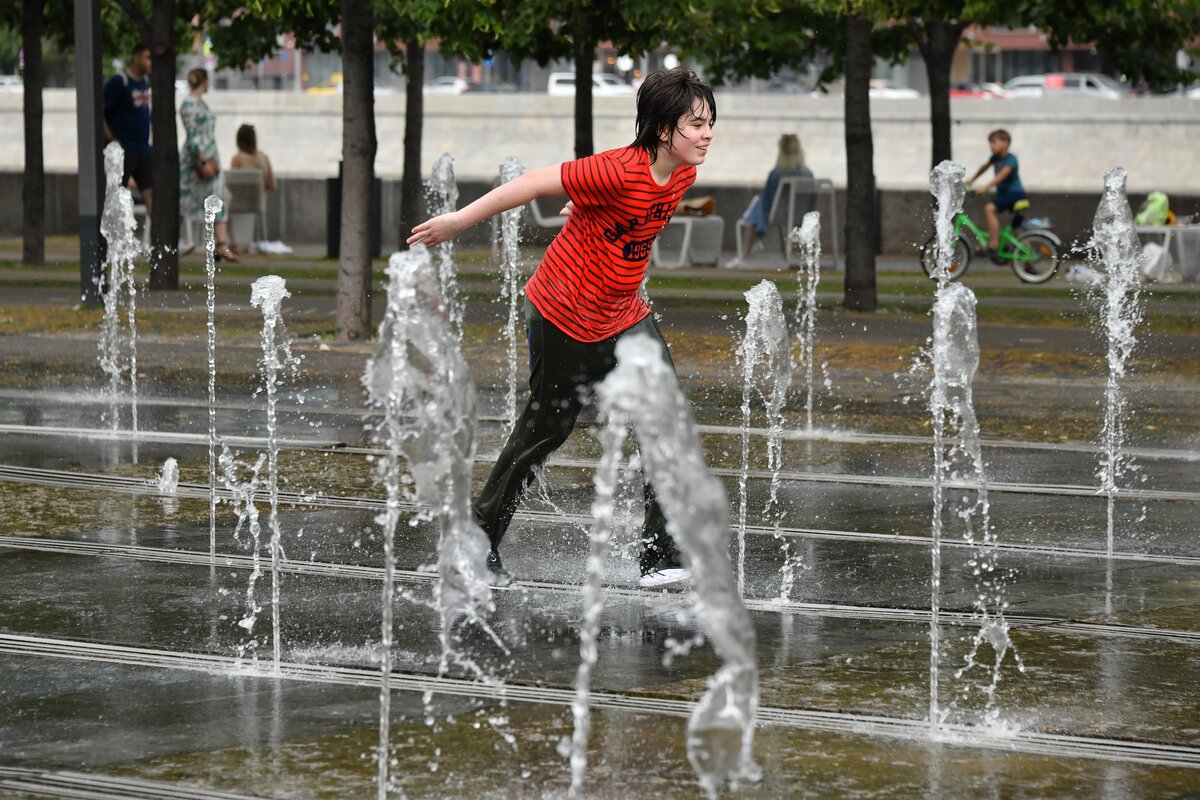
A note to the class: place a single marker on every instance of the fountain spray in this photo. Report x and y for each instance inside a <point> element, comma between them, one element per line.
<point>420,381</point>
<point>955,362</point>
<point>442,193</point>
<point>117,225</point>
<point>642,393</point>
<point>1115,246</point>
<point>947,187</point>
<point>267,293</point>
<point>765,349</point>
<point>510,271</point>
<point>808,239</point>
<point>241,498</point>
<point>212,207</point>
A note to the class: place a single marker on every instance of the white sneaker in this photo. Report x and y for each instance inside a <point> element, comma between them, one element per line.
<point>735,263</point>
<point>664,577</point>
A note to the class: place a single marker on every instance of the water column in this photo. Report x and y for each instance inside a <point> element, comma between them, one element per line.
<point>606,478</point>
<point>241,497</point>
<point>510,272</point>
<point>642,393</point>
<point>808,239</point>
<point>442,194</point>
<point>420,371</point>
<point>956,360</point>
<point>267,293</point>
<point>1115,245</point>
<point>418,378</point>
<point>946,186</point>
<point>391,354</point>
<point>765,351</point>
<point>212,207</point>
<point>117,226</point>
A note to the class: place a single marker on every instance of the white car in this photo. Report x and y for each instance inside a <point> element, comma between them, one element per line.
<point>891,90</point>
<point>11,83</point>
<point>447,84</point>
<point>562,84</point>
<point>1059,84</point>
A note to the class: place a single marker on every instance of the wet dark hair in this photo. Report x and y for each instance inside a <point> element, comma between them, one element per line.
<point>663,98</point>
<point>999,134</point>
<point>247,139</point>
<point>140,47</point>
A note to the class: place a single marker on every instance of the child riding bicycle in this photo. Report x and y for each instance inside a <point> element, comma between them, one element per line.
<point>1009,190</point>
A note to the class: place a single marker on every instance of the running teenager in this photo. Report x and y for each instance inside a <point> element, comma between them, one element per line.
<point>584,295</point>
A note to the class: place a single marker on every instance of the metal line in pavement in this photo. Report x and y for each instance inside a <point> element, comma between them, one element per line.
<point>820,434</point>
<point>97,786</point>
<point>141,486</point>
<point>879,481</point>
<point>1120,750</point>
<point>773,605</point>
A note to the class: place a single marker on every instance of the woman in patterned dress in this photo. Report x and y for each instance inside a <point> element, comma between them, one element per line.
<point>199,166</point>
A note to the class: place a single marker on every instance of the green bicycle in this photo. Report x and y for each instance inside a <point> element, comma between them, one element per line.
<point>1032,254</point>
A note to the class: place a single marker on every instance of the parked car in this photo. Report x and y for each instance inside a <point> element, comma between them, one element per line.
<point>997,90</point>
<point>563,84</point>
<point>447,84</point>
<point>780,86</point>
<point>891,90</point>
<point>506,88</point>
<point>968,89</point>
<point>11,83</point>
<point>982,91</point>
<point>1058,84</point>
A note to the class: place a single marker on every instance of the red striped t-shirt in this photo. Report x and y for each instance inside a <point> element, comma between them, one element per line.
<point>587,283</point>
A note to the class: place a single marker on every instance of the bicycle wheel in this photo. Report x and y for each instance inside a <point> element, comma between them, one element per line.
<point>1040,263</point>
<point>959,261</point>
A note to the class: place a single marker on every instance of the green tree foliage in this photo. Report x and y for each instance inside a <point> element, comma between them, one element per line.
<point>1139,37</point>
<point>248,31</point>
<point>547,30</point>
<point>468,28</point>
<point>842,38</point>
<point>33,28</point>
<point>160,24</point>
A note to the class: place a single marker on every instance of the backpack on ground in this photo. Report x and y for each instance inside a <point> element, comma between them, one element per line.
<point>1154,211</point>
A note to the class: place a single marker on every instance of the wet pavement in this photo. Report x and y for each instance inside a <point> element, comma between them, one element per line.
<point>121,654</point>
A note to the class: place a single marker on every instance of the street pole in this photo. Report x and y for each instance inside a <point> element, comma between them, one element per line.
<point>91,175</point>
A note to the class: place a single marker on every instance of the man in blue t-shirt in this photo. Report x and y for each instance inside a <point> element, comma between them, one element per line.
<point>1007,181</point>
<point>127,119</point>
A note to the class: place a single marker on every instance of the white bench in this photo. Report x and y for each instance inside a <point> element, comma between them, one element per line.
<point>688,240</point>
<point>187,241</point>
<point>1182,242</point>
<point>247,198</point>
<point>535,215</point>
<point>794,197</point>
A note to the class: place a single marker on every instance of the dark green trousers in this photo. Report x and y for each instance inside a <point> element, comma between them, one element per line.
<point>562,372</point>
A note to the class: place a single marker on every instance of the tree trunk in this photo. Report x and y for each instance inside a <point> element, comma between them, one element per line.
<point>358,170</point>
<point>164,159</point>
<point>938,42</point>
<point>411,207</point>
<point>585,53</point>
<point>33,189</point>
<point>860,170</point>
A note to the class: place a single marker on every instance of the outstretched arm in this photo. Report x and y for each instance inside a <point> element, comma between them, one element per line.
<point>1001,175</point>
<point>979,172</point>
<point>517,192</point>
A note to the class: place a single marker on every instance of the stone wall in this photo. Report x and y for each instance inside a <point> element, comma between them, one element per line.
<point>1065,145</point>
<point>297,212</point>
